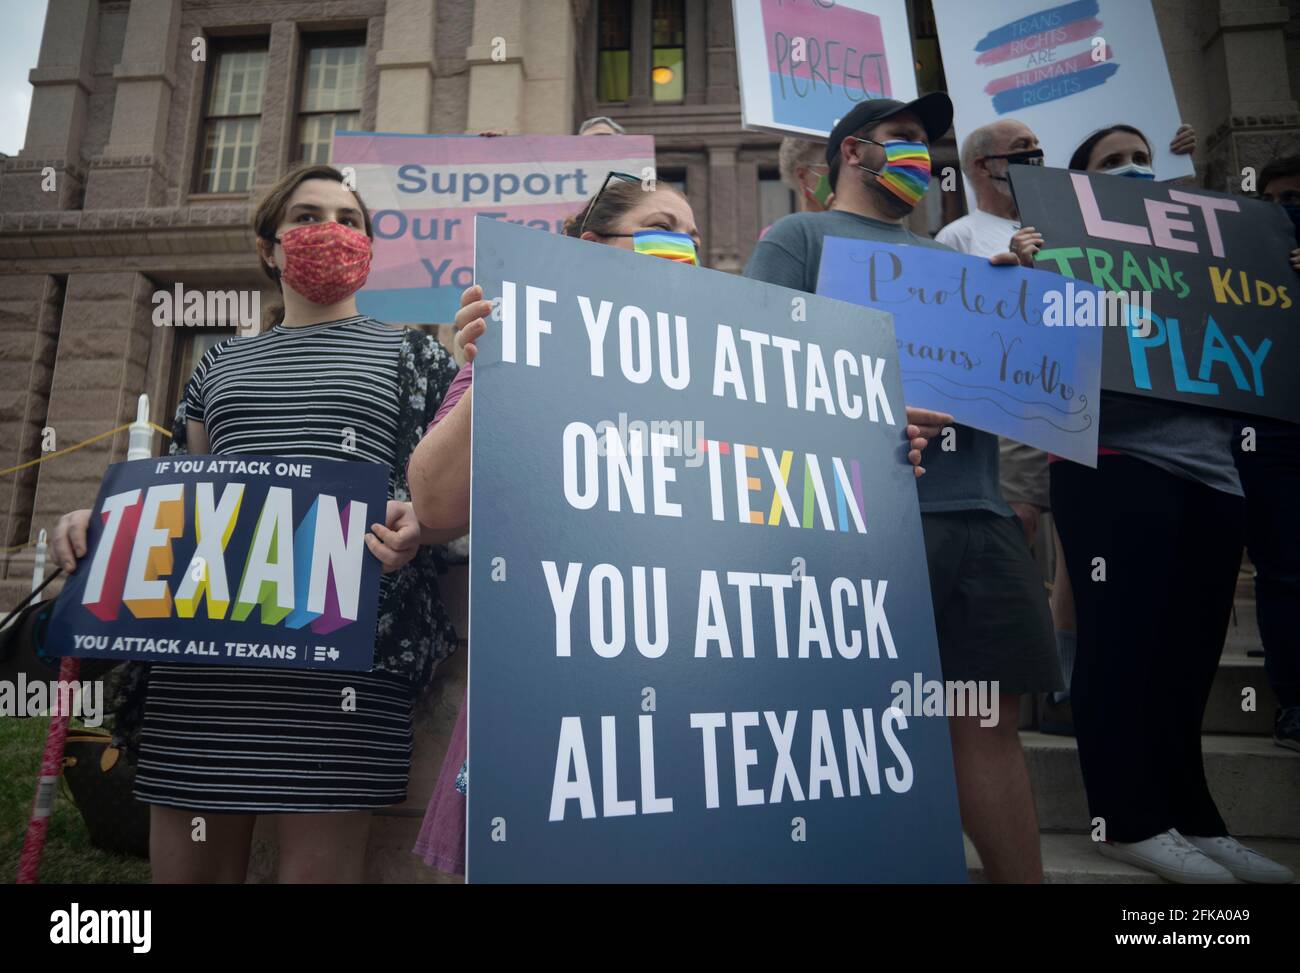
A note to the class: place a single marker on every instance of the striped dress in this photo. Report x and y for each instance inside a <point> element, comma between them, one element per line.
<point>253,740</point>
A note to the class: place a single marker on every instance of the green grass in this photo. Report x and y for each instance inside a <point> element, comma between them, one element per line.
<point>69,856</point>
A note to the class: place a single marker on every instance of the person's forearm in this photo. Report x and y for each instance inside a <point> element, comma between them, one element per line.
<point>442,535</point>
<point>439,471</point>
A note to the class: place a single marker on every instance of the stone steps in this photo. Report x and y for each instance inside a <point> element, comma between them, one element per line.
<point>1072,859</point>
<point>1255,784</point>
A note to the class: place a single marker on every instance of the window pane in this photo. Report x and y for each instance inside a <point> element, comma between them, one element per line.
<point>672,177</point>
<point>614,75</point>
<point>614,27</point>
<point>775,199</point>
<point>229,155</point>
<point>316,134</point>
<point>238,84</point>
<point>333,79</point>
<point>666,74</point>
<point>669,21</point>
<point>925,41</point>
<point>614,50</point>
<point>668,50</point>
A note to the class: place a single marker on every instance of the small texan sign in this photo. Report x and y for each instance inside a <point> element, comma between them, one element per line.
<point>228,560</point>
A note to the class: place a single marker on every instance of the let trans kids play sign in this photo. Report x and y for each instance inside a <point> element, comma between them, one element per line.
<point>694,635</point>
<point>1222,332</point>
<point>228,560</point>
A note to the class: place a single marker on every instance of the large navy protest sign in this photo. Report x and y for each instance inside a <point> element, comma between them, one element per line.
<point>973,342</point>
<point>424,192</point>
<point>700,618</point>
<point>1222,331</point>
<point>228,560</point>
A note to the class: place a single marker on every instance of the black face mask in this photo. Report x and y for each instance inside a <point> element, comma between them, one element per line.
<point>1028,157</point>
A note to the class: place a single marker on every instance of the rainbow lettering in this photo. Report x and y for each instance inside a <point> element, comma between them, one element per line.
<point>310,576</point>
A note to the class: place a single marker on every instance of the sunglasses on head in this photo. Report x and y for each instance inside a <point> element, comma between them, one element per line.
<point>625,176</point>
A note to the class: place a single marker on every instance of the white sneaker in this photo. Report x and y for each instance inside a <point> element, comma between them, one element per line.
<point>1171,856</point>
<point>1245,863</point>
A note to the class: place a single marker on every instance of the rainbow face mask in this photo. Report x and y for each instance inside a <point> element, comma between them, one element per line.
<point>663,243</point>
<point>822,192</point>
<point>907,169</point>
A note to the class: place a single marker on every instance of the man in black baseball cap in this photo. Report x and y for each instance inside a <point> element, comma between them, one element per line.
<point>990,609</point>
<point>933,111</point>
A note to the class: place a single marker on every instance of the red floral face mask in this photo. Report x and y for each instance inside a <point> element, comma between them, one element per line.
<point>325,262</point>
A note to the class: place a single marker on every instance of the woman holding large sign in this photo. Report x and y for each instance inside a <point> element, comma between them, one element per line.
<point>647,217</point>
<point>220,744</point>
<point>1152,540</point>
<point>628,213</point>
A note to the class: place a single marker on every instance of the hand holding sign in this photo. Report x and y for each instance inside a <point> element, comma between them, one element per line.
<point>471,320</point>
<point>396,543</point>
<point>69,544</point>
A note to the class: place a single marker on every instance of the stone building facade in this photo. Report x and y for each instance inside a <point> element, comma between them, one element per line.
<point>118,190</point>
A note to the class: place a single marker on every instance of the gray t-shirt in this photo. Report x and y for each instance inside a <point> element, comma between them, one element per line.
<point>1183,441</point>
<point>790,254</point>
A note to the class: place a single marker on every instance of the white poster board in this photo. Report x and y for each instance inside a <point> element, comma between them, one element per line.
<point>1064,69</point>
<point>804,64</point>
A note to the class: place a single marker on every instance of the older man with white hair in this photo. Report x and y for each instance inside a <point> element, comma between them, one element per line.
<point>803,167</point>
<point>986,154</point>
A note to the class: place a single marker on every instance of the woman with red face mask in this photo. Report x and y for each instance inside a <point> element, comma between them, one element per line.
<point>226,743</point>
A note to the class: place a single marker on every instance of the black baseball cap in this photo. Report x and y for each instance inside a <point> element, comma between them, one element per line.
<point>934,110</point>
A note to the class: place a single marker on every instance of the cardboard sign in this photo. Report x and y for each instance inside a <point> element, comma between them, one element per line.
<point>228,560</point>
<point>977,341</point>
<point>1214,270</point>
<point>424,192</point>
<point>804,64</point>
<point>700,618</point>
<point>1064,69</point>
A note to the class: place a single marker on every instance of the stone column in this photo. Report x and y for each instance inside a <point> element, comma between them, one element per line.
<point>549,61</point>
<point>696,53</point>
<point>275,148</point>
<point>723,87</point>
<point>496,73</point>
<point>29,325</point>
<point>104,341</point>
<point>130,171</point>
<point>61,80</point>
<point>407,65</point>
<point>724,249</point>
<point>642,42</point>
<point>1255,118</point>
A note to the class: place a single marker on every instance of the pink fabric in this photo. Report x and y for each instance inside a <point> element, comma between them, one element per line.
<point>457,388</point>
<point>441,842</point>
<point>442,835</point>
